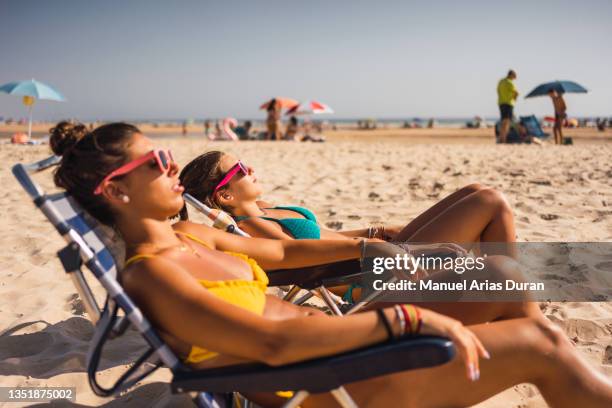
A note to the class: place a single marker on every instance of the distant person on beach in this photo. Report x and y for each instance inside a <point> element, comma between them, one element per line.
<point>273,121</point>
<point>506,97</point>
<point>292,128</point>
<point>207,128</point>
<point>560,114</point>
<point>244,132</point>
<point>184,129</point>
<point>217,129</point>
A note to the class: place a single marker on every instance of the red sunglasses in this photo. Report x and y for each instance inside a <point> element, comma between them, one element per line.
<point>163,158</point>
<point>231,173</point>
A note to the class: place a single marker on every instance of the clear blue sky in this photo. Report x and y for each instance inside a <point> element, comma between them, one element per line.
<point>195,59</point>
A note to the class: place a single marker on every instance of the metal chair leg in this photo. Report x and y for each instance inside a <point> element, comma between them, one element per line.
<point>296,400</point>
<point>304,298</point>
<point>329,300</point>
<point>343,398</point>
<point>292,293</point>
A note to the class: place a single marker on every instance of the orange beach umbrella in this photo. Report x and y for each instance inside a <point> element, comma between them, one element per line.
<point>285,103</point>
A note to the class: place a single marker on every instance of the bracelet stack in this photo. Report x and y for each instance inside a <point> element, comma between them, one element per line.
<point>410,319</point>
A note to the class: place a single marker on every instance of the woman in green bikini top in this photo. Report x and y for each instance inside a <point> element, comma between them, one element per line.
<point>472,214</point>
<point>303,226</point>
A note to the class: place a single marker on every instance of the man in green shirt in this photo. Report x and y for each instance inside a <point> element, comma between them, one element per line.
<point>506,96</point>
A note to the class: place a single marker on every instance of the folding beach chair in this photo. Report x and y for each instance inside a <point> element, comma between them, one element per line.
<point>532,125</point>
<point>213,388</point>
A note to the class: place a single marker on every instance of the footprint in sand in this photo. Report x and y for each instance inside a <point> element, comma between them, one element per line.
<point>604,266</point>
<point>549,217</point>
<point>335,225</point>
<point>76,305</point>
<point>607,358</point>
<point>541,182</point>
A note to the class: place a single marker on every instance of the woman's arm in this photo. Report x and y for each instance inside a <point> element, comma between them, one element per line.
<point>277,254</point>
<point>164,290</point>
<point>354,233</point>
<point>386,233</point>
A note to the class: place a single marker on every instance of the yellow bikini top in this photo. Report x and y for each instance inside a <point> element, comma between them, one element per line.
<point>247,294</point>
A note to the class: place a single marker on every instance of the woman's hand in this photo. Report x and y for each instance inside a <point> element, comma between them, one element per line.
<point>389,233</point>
<point>467,344</point>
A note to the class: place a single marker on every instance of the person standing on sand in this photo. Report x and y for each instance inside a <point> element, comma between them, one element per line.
<point>506,96</point>
<point>273,121</point>
<point>207,128</point>
<point>560,114</point>
<point>217,133</point>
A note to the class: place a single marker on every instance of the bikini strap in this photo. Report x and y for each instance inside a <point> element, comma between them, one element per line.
<point>140,257</point>
<point>193,238</point>
<point>137,258</point>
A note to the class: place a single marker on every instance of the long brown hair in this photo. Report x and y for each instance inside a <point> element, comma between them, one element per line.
<point>200,177</point>
<point>87,157</point>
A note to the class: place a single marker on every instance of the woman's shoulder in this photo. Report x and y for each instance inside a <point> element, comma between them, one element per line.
<point>191,227</point>
<point>149,268</point>
<point>197,232</point>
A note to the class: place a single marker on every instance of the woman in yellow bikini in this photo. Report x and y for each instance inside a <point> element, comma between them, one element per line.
<point>202,289</point>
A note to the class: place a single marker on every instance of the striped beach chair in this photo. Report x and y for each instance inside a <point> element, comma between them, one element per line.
<point>213,388</point>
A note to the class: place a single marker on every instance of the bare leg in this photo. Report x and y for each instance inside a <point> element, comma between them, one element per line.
<point>503,131</point>
<point>522,351</point>
<point>482,216</point>
<point>437,209</point>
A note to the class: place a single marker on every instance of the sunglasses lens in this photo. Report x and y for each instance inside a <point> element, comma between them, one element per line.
<point>244,168</point>
<point>163,159</point>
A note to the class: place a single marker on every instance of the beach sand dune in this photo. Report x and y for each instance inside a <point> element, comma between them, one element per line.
<point>557,193</point>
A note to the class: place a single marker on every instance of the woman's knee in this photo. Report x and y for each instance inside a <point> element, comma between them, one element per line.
<point>494,199</point>
<point>474,187</point>
<point>547,339</point>
<point>501,268</point>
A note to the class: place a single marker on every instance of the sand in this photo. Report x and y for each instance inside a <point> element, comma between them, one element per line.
<point>358,177</point>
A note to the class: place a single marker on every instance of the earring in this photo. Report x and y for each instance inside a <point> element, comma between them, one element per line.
<point>125,199</point>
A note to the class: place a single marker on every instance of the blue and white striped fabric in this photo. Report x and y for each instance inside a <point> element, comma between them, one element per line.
<point>103,241</point>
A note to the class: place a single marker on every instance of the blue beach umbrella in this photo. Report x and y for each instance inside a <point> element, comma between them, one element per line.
<point>559,86</point>
<point>32,90</point>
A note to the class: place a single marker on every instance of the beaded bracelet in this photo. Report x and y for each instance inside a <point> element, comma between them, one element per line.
<point>408,320</point>
<point>383,317</point>
<point>401,318</point>
<point>412,314</point>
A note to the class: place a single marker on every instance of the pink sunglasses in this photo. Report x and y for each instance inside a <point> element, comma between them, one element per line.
<point>163,158</point>
<point>231,173</point>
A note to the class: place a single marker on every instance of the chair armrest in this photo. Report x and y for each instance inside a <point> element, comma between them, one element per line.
<point>313,276</point>
<point>322,374</point>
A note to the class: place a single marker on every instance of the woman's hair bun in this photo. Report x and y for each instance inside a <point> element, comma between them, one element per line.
<point>65,135</point>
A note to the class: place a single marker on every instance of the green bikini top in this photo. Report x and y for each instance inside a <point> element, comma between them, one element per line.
<point>299,228</point>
